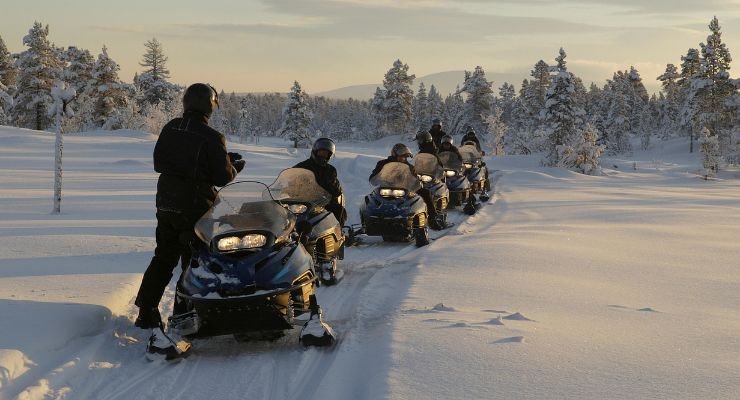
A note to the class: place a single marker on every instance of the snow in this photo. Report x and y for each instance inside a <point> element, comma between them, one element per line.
<point>564,285</point>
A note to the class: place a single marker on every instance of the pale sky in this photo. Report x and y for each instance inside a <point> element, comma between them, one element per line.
<point>256,46</point>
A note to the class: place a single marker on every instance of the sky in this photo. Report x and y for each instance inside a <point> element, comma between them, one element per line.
<point>263,46</point>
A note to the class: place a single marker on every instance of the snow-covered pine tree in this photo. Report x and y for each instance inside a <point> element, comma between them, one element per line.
<point>617,125</point>
<point>398,98</point>
<point>478,100</point>
<point>505,101</point>
<point>152,84</point>
<point>713,87</point>
<point>296,117</point>
<point>435,105</point>
<point>669,122</point>
<point>8,70</point>
<point>563,117</point>
<point>6,103</point>
<point>39,67</point>
<point>496,125</point>
<point>79,64</point>
<point>421,108</point>
<point>582,153</point>
<point>453,114</point>
<point>107,92</point>
<point>709,147</point>
<point>690,67</point>
<point>379,113</point>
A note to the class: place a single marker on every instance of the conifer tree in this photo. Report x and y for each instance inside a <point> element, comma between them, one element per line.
<point>39,67</point>
<point>421,107</point>
<point>563,117</point>
<point>435,104</point>
<point>8,70</point>
<point>108,93</point>
<point>478,100</point>
<point>152,84</point>
<point>399,96</point>
<point>296,117</point>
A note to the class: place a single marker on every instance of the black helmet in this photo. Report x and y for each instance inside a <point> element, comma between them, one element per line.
<point>200,97</point>
<point>471,132</point>
<point>446,139</point>
<point>400,149</point>
<point>436,121</point>
<point>423,137</point>
<point>323,144</point>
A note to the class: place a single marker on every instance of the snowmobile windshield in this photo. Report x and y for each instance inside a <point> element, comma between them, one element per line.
<point>298,185</point>
<point>470,154</point>
<point>428,164</point>
<point>242,206</point>
<point>450,161</point>
<point>396,175</point>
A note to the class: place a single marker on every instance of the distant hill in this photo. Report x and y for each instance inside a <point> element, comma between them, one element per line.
<point>445,82</point>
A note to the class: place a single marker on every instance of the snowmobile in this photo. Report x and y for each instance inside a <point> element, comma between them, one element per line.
<point>393,210</point>
<point>457,182</point>
<point>297,189</point>
<point>249,274</point>
<point>431,174</point>
<point>475,170</point>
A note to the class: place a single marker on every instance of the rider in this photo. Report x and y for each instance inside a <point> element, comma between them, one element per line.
<point>436,131</point>
<point>426,143</point>
<point>448,146</point>
<point>191,159</point>
<point>470,136</point>
<point>401,153</point>
<point>326,175</point>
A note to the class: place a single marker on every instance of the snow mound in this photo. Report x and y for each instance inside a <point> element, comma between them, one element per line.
<point>517,317</point>
<point>495,321</point>
<point>127,163</point>
<point>648,309</point>
<point>13,364</point>
<point>442,307</point>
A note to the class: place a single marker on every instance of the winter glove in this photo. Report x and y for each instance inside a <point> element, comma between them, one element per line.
<point>239,165</point>
<point>234,157</point>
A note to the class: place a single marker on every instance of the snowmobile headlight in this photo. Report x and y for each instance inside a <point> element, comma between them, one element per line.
<point>386,192</point>
<point>228,243</point>
<point>468,165</point>
<point>450,172</point>
<point>297,208</point>
<point>426,178</point>
<point>250,241</point>
<point>399,192</point>
<point>253,240</point>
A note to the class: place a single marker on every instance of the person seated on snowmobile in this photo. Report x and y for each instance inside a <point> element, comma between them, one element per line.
<point>426,143</point>
<point>471,137</point>
<point>448,146</point>
<point>326,175</point>
<point>191,159</point>
<point>401,153</point>
<point>436,131</point>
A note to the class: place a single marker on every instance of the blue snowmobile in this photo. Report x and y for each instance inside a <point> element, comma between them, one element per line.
<point>475,170</point>
<point>393,210</point>
<point>432,175</point>
<point>297,189</point>
<point>457,182</point>
<point>249,275</point>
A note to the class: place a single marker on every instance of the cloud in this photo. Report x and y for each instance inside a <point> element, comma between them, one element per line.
<point>644,7</point>
<point>363,20</point>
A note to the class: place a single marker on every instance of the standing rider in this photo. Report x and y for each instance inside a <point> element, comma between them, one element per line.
<point>191,159</point>
<point>326,175</point>
<point>436,131</point>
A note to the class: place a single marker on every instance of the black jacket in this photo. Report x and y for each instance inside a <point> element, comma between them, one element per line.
<point>191,159</point>
<point>382,163</point>
<point>471,138</point>
<point>437,135</point>
<point>453,149</point>
<point>326,176</point>
<point>429,148</point>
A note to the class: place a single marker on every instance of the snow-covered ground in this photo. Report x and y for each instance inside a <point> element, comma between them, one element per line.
<point>622,286</point>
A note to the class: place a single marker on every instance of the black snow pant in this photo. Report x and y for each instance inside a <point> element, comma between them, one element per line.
<point>428,198</point>
<point>174,234</point>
